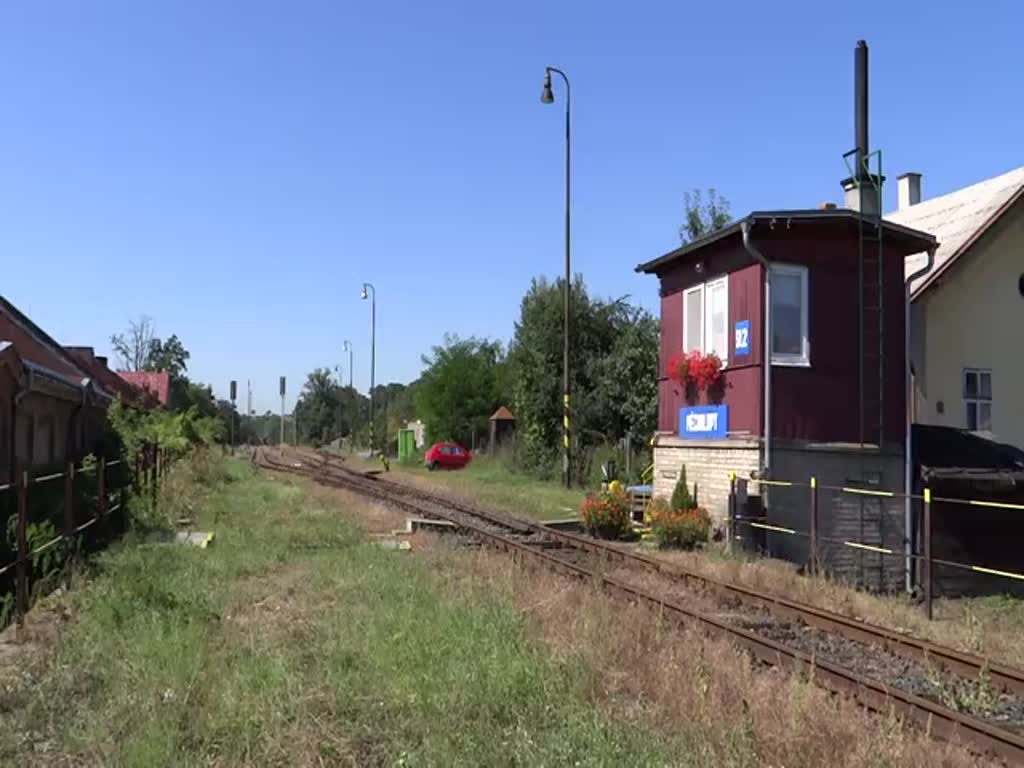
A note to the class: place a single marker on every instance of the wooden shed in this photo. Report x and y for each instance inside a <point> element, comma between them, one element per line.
<point>503,429</point>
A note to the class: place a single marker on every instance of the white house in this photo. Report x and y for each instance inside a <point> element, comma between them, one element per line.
<point>967,313</point>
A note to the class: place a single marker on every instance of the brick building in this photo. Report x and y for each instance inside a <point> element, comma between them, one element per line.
<point>53,399</point>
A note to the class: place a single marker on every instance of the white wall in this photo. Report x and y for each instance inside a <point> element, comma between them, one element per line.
<point>974,318</point>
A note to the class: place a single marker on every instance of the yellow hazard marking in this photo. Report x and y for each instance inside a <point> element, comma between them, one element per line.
<point>927,495</point>
<point>732,476</point>
<point>868,547</point>
<point>996,504</point>
<point>565,399</point>
<point>814,482</point>
<point>867,492</point>
<point>994,572</point>
<point>565,441</point>
<point>779,483</point>
<point>778,528</point>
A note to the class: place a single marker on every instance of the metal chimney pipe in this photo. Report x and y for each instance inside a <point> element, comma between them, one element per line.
<point>860,105</point>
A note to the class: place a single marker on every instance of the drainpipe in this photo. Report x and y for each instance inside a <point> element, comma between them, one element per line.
<point>19,395</point>
<point>73,419</point>
<point>908,514</point>
<point>766,348</point>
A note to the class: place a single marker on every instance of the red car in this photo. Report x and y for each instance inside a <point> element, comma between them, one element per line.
<point>447,456</point>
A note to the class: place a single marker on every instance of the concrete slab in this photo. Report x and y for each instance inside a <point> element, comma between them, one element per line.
<point>414,524</point>
<point>393,544</point>
<point>565,524</point>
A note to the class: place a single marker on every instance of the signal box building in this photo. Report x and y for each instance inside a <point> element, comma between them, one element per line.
<point>815,383</point>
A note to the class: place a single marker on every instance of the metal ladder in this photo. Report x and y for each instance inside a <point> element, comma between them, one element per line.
<point>871,365</point>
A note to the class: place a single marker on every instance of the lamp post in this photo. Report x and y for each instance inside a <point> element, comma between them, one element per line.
<point>369,292</point>
<point>548,97</point>
<point>347,347</point>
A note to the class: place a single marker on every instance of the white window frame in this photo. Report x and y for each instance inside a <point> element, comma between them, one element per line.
<point>703,291</point>
<point>697,290</point>
<point>706,348</point>
<point>804,357</point>
<point>977,401</point>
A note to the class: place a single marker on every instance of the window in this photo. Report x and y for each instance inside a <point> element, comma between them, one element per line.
<point>716,336</point>
<point>978,399</point>
<point>790,345</point>
<point>706,318</point>
<point>693,314</point>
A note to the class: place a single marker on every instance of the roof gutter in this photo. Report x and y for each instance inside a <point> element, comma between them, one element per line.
<point>75,417</point>
<point>766,354</point>
<point>908,511</point>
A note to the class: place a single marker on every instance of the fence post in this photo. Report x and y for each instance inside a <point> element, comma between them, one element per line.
<point>69,518</point>
<point>814,526</point>
<point>730,522</point>
<point>153,473</point>
<point>21,568</point>
<point>101,490</point>
<point>927,532</point>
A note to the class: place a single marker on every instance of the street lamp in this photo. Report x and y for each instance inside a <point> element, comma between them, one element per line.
<point>347,347</point>
<point>548,97</point>
<point>369,292</point>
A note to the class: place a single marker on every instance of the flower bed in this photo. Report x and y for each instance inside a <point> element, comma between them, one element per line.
<point>682,528</point>
<point>606,514</point>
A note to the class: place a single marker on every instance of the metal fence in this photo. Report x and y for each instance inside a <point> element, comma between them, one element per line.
<point>83,506</point>
<point>862,533</point>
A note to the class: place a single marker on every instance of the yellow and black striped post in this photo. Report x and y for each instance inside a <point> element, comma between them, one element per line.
<point>927,535</point>
<point>566,477</point>
<point>814,527</point>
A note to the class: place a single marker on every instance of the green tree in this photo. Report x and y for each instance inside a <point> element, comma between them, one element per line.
<point>613,368</point>
<point>626,390</point>
<point>460,388</point>
<point>317,407</point>
<point>681,499</point>
<point>170,356</point>
<point>703,216</point>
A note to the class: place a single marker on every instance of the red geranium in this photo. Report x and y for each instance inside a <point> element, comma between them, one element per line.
<point>704,372</point>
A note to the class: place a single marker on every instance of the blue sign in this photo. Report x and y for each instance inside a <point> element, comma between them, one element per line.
<point>704,421</point>
<point>742,337</point>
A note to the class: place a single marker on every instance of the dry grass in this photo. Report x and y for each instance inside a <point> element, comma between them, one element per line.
<point>701,688</point>
<point>704,690</point>
<point>991,627</point>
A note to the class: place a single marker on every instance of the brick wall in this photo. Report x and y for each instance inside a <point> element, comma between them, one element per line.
<point>708,464</point>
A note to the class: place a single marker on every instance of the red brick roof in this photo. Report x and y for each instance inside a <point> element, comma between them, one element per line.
<point>110,381</point>
<point>503,414</point>
<point>36,346</point>
<point>159,383</point>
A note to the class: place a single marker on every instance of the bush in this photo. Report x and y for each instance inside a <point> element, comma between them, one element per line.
<point>681,500</point>
<point>682,528</point>
<point>606,514</point>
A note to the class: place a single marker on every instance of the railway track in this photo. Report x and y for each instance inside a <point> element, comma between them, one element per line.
<point>881,669</point>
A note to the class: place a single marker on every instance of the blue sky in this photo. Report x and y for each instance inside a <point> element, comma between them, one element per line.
<point>236,169</point>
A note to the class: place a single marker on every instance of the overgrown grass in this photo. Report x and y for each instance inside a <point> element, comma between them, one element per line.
<point>295,640</point>
<point>992,627</point>
<point>496,482</point>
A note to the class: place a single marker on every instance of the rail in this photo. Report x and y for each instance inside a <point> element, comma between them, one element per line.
<point>513,534</point>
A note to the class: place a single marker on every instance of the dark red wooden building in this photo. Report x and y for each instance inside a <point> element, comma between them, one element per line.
<point>836,402</point>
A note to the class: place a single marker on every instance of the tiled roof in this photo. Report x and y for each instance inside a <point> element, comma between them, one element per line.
<point>503,414</point>
<point>957,218</point>
<point>114,384</point>
<point>35,346</point>
<point>156,382</point>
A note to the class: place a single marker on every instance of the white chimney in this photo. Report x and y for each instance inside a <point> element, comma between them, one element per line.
<point>909,190</point>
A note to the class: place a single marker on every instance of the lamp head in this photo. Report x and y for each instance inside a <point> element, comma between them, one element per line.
<point>547,96</point>
<point>365,293</point>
